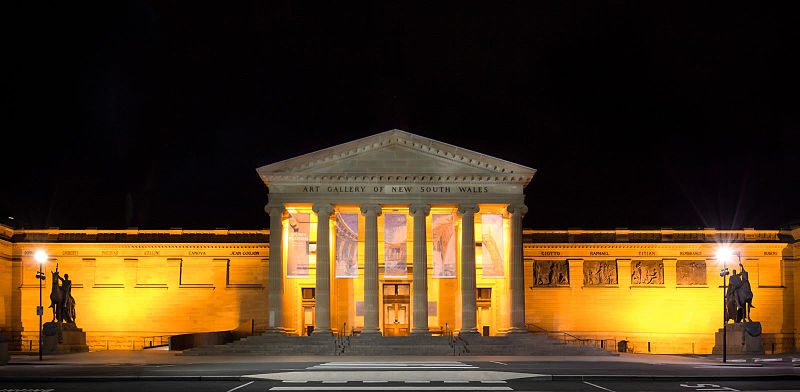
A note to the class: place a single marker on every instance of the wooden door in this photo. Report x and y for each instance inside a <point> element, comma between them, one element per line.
<point>395,319</point>
<point>396,299</point>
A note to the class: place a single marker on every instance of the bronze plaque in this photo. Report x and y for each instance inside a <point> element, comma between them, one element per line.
<point>600,273</point>
<point>646,272</point>
<point>550,273</point>
<point>690,272</point>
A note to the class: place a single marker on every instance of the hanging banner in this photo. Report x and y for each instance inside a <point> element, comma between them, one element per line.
<point>492,248</point>
<point>394,246</point>
<point>444,246</point>
<point>346,245</point>
<point>297,260</point>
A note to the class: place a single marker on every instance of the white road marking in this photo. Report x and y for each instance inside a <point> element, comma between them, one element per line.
<point>393,365</point>
<point>597,386</point>
<point>387,388</point>
<point>499,363</point>
<point>767,359</point>
<point>455,382</point>
<point>334,382</point>
<point>495,382</point>
<point>418,382</point>
<point>737,360</point>
<point>396,375</point>
<point>296,381</point>
<point>795,359</point>
<point>240,386</point>
<point>373,382</point>
<point>719,366</point>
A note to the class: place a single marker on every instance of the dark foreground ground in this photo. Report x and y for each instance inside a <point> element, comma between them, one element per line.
<point>162,371</point>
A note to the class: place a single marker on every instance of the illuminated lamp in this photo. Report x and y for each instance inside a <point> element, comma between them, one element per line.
<point>41,257</point>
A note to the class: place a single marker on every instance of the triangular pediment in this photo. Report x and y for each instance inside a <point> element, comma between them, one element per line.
<point>396,152</point>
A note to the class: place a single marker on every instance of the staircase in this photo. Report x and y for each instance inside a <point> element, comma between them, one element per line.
<point>373,345</point>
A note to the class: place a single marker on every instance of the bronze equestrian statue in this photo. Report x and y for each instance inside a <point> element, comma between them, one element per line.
<point>738,297</point>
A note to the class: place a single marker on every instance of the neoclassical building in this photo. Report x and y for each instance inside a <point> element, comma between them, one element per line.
<point>398,234</point>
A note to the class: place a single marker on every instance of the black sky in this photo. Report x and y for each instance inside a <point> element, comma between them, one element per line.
<point>156,114</point>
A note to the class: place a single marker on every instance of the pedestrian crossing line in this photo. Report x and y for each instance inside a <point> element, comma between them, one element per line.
<point>373,382</point>
<point>455,382</point>
<point>296,381</point>
<point>334,382</point>
<point>417,382</point>
<point>494,382</point>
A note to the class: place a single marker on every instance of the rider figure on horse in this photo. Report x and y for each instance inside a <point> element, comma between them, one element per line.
<point>61,299</point>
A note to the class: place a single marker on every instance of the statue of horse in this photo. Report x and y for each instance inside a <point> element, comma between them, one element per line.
<point>56,297</point>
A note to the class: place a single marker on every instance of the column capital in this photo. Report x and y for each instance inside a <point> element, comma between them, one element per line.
<point>517,208</point>
<point>322,209</point>
<point>468,209</point>
<point>371,208</point>
<point>423,209</point>
<point>274,209</point>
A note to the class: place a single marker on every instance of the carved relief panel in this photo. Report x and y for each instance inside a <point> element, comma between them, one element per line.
<point>600,273</point>
<point>550,273</point>
<point>646,272</point>
<point>691,272</point>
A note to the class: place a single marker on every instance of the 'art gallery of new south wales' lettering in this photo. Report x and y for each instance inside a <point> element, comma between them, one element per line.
<point>396,234</point>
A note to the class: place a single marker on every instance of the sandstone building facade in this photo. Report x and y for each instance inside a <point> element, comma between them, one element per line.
<point>419,237</point>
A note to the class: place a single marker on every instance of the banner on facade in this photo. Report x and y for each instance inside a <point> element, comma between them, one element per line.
<point>444,245</point>
<point>394,246</point>
<point>346,245</point>
<point>493,246</point>
<point>297,260</point>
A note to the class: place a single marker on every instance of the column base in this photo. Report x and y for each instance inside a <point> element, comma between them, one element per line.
<point>275,331</point>
<point>372,332</point>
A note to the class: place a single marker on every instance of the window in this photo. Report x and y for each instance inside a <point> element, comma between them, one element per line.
<point>308,293</point>
<point>484,294</point>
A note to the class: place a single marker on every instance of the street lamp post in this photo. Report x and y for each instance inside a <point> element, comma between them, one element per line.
<point>723,254</point>
<point>41,257</point>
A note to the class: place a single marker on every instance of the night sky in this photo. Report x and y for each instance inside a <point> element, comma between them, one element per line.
<point>156,114</point>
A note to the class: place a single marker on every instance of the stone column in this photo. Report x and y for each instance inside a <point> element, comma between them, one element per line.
<point>468,306</point>
<point>323,292</point>
<point>371,311</point>
<point>275,279</point>
<point>419,304</point>
<point>516,270</point>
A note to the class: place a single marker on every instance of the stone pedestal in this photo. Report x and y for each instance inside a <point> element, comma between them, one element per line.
<point>743,338</point>
<point>60,338</point>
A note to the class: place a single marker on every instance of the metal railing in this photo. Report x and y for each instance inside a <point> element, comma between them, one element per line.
<point>457,343</point>
<point>568,338</point>
<point>155,341</point>
<point>341,341</point>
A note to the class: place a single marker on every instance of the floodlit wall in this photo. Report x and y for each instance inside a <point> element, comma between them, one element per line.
<point>127,294</point>
<point>668,317</point>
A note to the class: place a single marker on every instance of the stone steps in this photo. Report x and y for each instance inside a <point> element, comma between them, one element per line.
<point>517,344</point>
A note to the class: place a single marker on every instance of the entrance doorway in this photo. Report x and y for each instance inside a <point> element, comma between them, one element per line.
<point>309,317</point>
<point>484,302</point>
<point>396,299</point>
